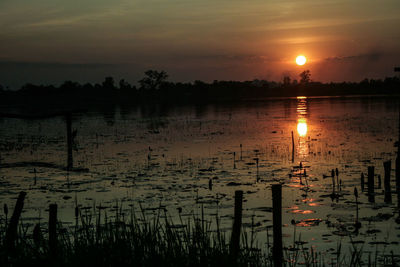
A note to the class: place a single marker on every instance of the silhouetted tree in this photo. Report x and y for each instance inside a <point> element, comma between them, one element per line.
<point>123,85</point>
<point>286,81</point>
<point>153,79</point>
<point>108,83</point>
<point>69,86</point>
<point>87,87</point>
<point>305,77</point>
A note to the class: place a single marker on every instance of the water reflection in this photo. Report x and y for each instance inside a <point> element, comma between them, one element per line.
<point>302,127</point>
<point>301,115</point>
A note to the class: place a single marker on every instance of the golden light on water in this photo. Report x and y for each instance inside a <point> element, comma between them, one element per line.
<point>302,127</point>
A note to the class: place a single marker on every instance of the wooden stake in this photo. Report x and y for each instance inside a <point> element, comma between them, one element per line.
<point>371,184</point>
<point>292,148</point>
<point>388,191</point>
<point>277,224</point>
<point>53,229</point>
<point>11,234</point>
<point>237,225</point>
<point>234,160</point>
<point>69,141</point>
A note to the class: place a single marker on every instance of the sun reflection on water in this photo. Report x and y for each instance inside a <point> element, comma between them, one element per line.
<point>302,126</point>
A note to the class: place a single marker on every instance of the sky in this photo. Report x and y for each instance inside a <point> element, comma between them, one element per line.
<point>50,41</point>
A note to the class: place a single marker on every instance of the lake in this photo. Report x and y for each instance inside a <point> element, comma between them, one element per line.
<point>192,159</point>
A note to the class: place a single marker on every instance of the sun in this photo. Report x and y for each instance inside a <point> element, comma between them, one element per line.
<point>301,60</point>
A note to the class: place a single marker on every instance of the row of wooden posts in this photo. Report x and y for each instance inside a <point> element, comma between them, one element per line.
<point>276,220</point>
<point>387,187</point>
<point>11,234</point>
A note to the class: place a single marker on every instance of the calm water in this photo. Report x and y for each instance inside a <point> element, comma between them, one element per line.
<point>167,156</point>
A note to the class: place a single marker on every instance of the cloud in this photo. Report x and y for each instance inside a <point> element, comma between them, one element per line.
<point>51,65</point>
<point>370,57</point>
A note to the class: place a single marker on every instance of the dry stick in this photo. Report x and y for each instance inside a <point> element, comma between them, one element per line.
<point>388,192</point>
<point>234,160</point>
<point>241,151</point>
<point>398,179</point>
<point>237,225</point>
<point>292,148</point>
<point>53,229</point>
<point>371,184</point>
<point>11,234</point>
<point>337,178</point>
<point>257,177</point>
<point>398,169</point>
<point>69,141</point>
<point>356,196</point>
<point>277,224</point>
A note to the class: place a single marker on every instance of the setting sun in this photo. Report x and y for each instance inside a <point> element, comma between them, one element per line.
<point>301,60</point>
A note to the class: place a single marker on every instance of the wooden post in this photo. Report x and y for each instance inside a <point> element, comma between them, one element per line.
<point>241,150</point>
<point>371,184</point>
<point>69,141</point>
<point>53,229</point>
<point>398,179</point>
<point>337,178</point>
<point>277,224</point>
<point>292,148</point>
<point>388,192</point>
<point>237,225</point>
<point>35,178</point>
<point>11,234</point>
<point>234,160</point>
<point>397,69</point>
<point>356,195</point>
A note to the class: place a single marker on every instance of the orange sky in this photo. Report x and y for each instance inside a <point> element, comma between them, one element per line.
<point>53,40</point>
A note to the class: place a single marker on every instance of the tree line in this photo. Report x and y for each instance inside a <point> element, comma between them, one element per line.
<point>155,87</point>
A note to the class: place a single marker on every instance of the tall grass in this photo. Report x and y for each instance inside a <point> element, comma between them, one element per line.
<point>101,238</point>
<point>98,239</point>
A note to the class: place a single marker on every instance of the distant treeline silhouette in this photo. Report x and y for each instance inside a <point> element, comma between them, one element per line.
<point>155,88</point>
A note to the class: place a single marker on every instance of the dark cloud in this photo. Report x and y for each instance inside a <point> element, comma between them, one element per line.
<point>50,65</point>
<point>370,57</point>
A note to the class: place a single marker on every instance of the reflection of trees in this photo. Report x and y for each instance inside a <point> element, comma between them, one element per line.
<point>154,89</point>
<point>109,114</point>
